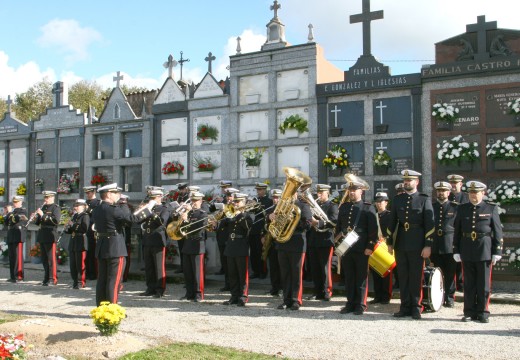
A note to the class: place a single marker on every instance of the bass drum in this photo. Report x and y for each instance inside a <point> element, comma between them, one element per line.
<point>433,288</point>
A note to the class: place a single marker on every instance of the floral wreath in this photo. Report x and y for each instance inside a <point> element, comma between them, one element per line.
<point>337,157</point>
<point>382,159</point>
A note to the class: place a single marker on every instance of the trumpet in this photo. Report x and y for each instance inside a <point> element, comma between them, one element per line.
<point>33,216</point>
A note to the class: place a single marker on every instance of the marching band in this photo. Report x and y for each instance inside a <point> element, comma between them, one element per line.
<point>270,235</point>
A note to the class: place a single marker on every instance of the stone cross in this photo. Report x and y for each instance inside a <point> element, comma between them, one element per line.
<point>57,90</point>
<point>209,59</point>
<point>381,107</point>
<point>381,147</point>
<point>239,48</point>
<point>335,111</point>
<point>481,28</point>
<point>9,102</point>
<point>170,64</point>
<point>118,78</point>
<point>310,37</point>
<point>275,7</point>
<point>182,61</point>
<point>366,17</point>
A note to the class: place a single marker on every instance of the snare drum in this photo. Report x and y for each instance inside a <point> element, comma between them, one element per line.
<point>433,288</point>
<point>381,261</point>
<point>346,243</point>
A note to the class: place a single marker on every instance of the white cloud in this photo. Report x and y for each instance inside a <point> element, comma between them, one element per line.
<point>69,38</point>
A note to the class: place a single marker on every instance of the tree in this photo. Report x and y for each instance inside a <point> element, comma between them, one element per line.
<point>32,103</point>
<point>85,93</point>
<point>3,107</point>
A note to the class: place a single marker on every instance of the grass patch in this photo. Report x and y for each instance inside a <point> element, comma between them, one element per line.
<point>6,317</point>
<point>194,351</point>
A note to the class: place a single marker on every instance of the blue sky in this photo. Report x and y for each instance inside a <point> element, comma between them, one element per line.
<point>74,40</point>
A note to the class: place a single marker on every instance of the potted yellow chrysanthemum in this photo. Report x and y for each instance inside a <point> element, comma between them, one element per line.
<point>107,317</point>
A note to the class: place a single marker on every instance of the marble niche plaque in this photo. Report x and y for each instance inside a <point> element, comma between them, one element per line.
<point>253,126</point>
<point>292,85</point>
<point>468,104</point>
<point>2,161</point>
<point>292,156</point>
<point>205,157</point>
<point>18,160</point>
<point>497,112</point>
<point>400,150</point>
<point>346,119</point>
<point>253,89</point>
<point>392,115</point>
<point>180,156</point>
<point>356,157</point>
<point>174,132</point>
<point>207,121</point>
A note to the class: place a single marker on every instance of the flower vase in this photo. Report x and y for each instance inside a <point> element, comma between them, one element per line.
<point>252,135</point>
<point>291,133</point>
<point>336,172</point>
<point>36,260</point>
<point>206,141</point>
<point>458,166</point>
<point>173,176</point>
<point>206,174</point>
<point>506,165</point>
<point>252,171</point>
<point>380,170</point>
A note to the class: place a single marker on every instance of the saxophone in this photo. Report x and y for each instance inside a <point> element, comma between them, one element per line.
<point>287,214</point>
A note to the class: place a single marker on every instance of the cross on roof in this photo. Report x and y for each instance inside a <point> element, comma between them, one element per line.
<point>118,78</point>
<point>57,90</point>
<point>275,7</point>
<point>481,28</point>
<point>209,59</point>
<point>9,102</point>
<point>182,61</point>
<point>366,17</point>
<point>170,64</point>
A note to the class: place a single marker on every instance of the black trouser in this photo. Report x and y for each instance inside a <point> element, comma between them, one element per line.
<point>255,246</point>
<point>181,245</point>
<point>110,276</point>
<point>460,277</point>
<point>238,277</point>
<point>49,262</point>
<point>223,263</point>
<point>355,267</point>
<point>382,286</point>
<point>411,271</point>
<point>91,261</point>
<point>77,266</point>
<point>477,287</point>
<point>155,268</point>
<point>274,270</point>
<point>448,266</point>
<point>291,271</point>
<point>127,266</point>
<point>320,263</point>
<point>193,268</point>
<point>15,252</point>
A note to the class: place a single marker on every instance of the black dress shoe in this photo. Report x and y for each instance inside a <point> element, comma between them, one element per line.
<point>241,303</point>
<point>295,306</point>
<point>483,319</point>
<point>147,293</point>
<point>275,292</point>
<point>346,310</point>
<point>45,283</point>
<point>326,298</point>
<point>225,288</point>
<point>449,304</point>
<point>358,312</point>
<point>11,280</point>
<point>254,276</point>
<point>230,302</point>
<point>158,295</point>
<point>75,287</point>
<point>375,301</point>
<point>416,316</point>
<point>466,318</point>
<point>282,307</point>
<point>401,314</point>
<point>312,297</point>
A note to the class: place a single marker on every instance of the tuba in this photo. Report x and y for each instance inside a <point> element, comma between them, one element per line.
<point>287,214</point>
<point>349,178</point>
<point>316,209</point>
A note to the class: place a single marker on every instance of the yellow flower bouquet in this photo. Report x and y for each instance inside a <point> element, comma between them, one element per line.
<point>336,158</point>
<point>107,317</point>
<point>21,189</point>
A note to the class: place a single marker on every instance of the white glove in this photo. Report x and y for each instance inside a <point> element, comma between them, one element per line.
<point>456,257</point>
<point>495,259</point>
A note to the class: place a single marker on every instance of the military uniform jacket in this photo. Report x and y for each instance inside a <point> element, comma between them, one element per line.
<point>154,227</point>
<point>444,215</point>
<point>384,221</point>
<point>91,206</point>
<point>238,229</point>
<point>109,221</point>
<point>459,198</point>
<point>478,232</point>
<point>259,222</point>
<point>127,229</point>
<point>16,231</point>
<point>194,243</point>
<point>298,241</point>
<point>411,215</point>
<point>326,238</point>
<point>366,226</point>
<point>48,224</point>
<point>78,231</point>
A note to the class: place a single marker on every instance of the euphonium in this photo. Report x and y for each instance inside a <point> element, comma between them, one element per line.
<point>316,209</point>
<point>173,228</point>
<point>287,214</point>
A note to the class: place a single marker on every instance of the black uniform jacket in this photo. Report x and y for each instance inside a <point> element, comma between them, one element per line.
<point>16,231</point>
<point>444,215</point>
<point>194,243</point>
<point>411,215</point>
<point>48,224</point>
<point>366,226</point>
<point>91,206</point>
<point>460,198</point>
<point>325,238</point>
<point>298,241</point>
<point>238,229</point>
<point>109,221</point>
<point>154,227</point>
<point>384,221</point>
<point>259,222</point>
<point>478,232</point>
<point>78,231</point>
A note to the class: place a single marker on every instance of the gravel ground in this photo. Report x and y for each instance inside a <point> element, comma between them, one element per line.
<point>317,331</point>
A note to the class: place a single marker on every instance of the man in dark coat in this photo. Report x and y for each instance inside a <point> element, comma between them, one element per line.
<point>478,244</point>
<point>255,235</point>
<point>411,215</point>
<point>90,262</point>
<point>15,221</point>
<point>77,228</point>
<point>270,248</point>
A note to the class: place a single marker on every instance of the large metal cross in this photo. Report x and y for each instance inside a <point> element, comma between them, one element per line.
<point>335,111</point>
<point>209,59</point>
<point>118,78</point>
<point>9,102</point>
<point>170,64</point>
<point>366,17</point>
<point>182,61</point>
<point>381,107</point>
<point>481,28</point>
<point>57,89</point>
<point>275,7</point>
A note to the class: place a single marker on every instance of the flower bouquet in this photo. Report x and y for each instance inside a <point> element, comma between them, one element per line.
<point>98,180</point>
<point>107,317</point>
<point>507,149</point>
<point>64,185</point>
<point>3,248</point>
<point>253,157</point>
<point>508,192</point>
<point>204,164</point>
<point>38,182</point>
<point>173,167</point>
<point>445,112</point>
<point>206,131</point>
<point>36,251</point>
<point>514,257</point>
<point>455,150</point>
<point>382,159</point>
<point>336,158</point>
<point>76,178</point>
<point>171,251</point>
<point>173,195</point>
<point>294,122</point>
<point>2,191</point>
<point>65,216</point>
<point>61,255</point>
<point>514,106</point>
<point>21,189</point>
<point>13,347</point>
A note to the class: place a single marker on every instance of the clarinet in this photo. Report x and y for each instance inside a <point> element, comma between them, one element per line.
<point>33,216</point>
